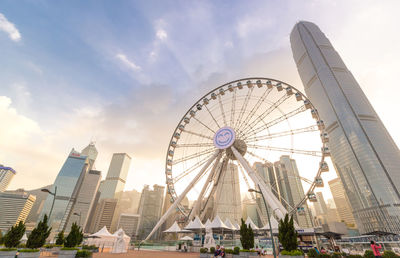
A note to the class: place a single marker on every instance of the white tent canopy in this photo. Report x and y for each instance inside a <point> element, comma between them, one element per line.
<point>217,223</point>
<point>102,238</point>
<point>236,225</point>
<point>229,224</point>
<point>195,224</point>
<point>173,229</point>
<point>251,223</point>
<point>208,223</point>
<point>274,224</point>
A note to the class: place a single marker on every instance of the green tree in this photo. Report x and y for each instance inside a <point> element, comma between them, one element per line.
<point>75,236</point>
<point>246,236</point>
<point>287,234</point>
<point>14,235</point>
<point>38,236</point>
<point>60,239</point>
<point>1,237</point>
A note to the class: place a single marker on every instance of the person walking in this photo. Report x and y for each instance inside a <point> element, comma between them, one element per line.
<point>375,249</point>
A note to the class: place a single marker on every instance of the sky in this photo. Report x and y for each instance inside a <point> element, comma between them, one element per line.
<point>123,73</point>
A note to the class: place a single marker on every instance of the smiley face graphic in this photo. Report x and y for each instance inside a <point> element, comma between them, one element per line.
<point>224,137</point>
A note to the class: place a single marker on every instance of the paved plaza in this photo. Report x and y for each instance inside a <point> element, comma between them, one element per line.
<point>145,253</point>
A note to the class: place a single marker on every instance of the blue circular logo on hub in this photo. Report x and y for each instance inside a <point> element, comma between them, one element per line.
<point>224,137</point>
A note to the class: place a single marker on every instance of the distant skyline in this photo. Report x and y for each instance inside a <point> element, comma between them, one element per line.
<point>123,73</point>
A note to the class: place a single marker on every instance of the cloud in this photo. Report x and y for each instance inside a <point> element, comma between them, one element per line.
<point>161,34</point>
<point>9,28</point>
<point>128,63</point>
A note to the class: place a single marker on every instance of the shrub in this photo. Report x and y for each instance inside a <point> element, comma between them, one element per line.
<point>14,235</point>
<point>1,237</point>
<point>38,236</point>
<point>344,254</point>
<point>293,253</point>
<point>212,250</point>
<point>247,251</point>
<point>229,251</point>
<point>21,246</point>
<point>203,250</point>
<point>89,247</point>
<point>7,249</point>
<point>74,237</point>
<point>83,253</point>
<point>236,250</point>
<point>60,239</point>
<point>389,254</point>
<point>324,256</point>
<point>29,250</point>
<point>287,234</point>
<point>312,253</point>
<point>336,255</point>
<point>246,236</point>
<point>354,256</point>
<point>69,248</point>
<point>369,254</point>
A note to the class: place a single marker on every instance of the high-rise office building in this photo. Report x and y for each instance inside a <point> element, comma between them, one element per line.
<point>106,207</point>
<point>91,152</point>
<point>68,182</point>
<point>228,203</point>
<point>291,189</point>
<point>37,207</point>
<point>250,210</point>
<point>117,173</point>
<point>341,202</point>
<point>14,207</point>
<point>85,199</point>
<point>150,207</point>
<point>6,174</point>
<point>364,154</point>
<point>112,187</point>
<point>129,223</point>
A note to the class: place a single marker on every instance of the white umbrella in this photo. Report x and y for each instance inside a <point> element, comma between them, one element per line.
<point>186,238</point>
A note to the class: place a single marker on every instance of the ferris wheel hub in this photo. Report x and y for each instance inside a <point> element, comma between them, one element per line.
<point>224,138</point>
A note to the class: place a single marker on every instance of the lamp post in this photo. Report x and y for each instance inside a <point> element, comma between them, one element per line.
<point>269,220</point>
<point>79,215</point>
<point>54,198</point>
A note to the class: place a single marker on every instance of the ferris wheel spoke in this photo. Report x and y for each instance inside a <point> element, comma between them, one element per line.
<point>198,134</point>
<point>279,119</point>
<point>287,150</point>
<point>197,206</point>
<point>192,156</point>
<point>222,109</point>
<point>307,129</point>
<point>233,107</point>
<point>260,118</point>
<point>184,145</point>
<point>212,116</point>
<point>203,124</point>
<point>190,170</point>
<point>244,106</point>
<point>256,107</point>
<point>182,195</point>
<point>256,156</point>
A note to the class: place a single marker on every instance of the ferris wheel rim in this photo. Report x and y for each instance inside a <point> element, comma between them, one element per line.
<point>172,192</point>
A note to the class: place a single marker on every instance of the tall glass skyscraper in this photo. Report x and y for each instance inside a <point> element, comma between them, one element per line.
<point>364,155</point>
<point>68,183</point>
<point>6,174</point>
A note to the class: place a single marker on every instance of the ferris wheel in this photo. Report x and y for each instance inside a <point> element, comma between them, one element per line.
<point>238,124</point>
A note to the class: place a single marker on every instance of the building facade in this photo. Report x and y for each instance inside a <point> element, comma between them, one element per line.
<point>129,223</point>
<point>365,156</point>
<point>68,183</point>
<point>14,207</point>
<point>106,207</point>
<point>150,208</point>
<point>6,174</point>
<point>85,199</point>
<point>342,203</point>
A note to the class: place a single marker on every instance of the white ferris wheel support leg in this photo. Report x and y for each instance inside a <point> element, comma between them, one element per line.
<point>271,199</point>
<point>183,194</point>
<point>197,205</point>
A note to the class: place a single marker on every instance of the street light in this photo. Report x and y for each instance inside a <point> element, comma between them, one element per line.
<point>54,198</point>
<point>78,214</point>
<point>269,220</point>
